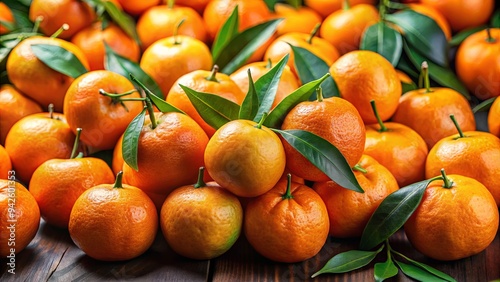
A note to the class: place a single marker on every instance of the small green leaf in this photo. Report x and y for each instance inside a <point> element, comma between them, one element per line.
<point>250,104</point>
<point>348,261</point>
<point>122,19</point>
<point>10,26</point>
<point>392,213</point>
<point>406,66</point>
<point>423,34</point>
<point>310,67</point>
<point>431,270</point>
<point>277,115</point>
<point>408,86</point>
<point>161,104</point>
<point>227,32</point>
<point>385,270</point>
<point>271,3</point>
<point>294,3</point>
<point>495,19</point>
<point>462,35</point>
<point>242,46</point>
<point>324,155</point>
<point>124,66</point>
<point>130,141</point>
<point>484,105</point>
<point>215,110</point>
<point>59,59</point>
<point>442,75</point>
<point>417,273</point>
<point>267,86</point>
<point>384,40</point>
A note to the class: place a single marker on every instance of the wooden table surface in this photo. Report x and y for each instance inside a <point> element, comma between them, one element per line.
<point>52,256</point>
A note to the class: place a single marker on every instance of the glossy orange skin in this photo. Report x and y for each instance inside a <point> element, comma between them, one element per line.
<point>246,160</point>
<point>163,21</point>
<point>117,161</point>
<point>170,58</point>
<point>478,63</point>
<point>287,230</point>
<point>102,121</point>
<point>349,211</point>
<point>14,106</point>
<point>91,41</point>
<point>344,28</point>
<point>198,5</point>
<point>475,156</point>
<point>57,183</point>
<point>400,149</point>
<point>35,139</point>
<point>363,76</point>
<point>335,120</point>
<point>318,46</point>
<point>26,216</point>
<point>138,7</point>
<point>35,79</point>
<point>429,113</point>
<point>434,14</point>
<point>455,223</point>
<point>287,84</point>
<point>198,80</point>
<point>55,13</point>
<point>6,16</point>
<point>162,170</point>
<point>5,163</point>
<point>494,118</point>
<point>327,7</point>
<point>303,19</point>
<point>124,219</point>
<point>478,12</point>
<point>212,209</point>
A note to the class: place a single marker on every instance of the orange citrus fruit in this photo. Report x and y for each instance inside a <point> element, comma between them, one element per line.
<point>303,19</point>
<point>494,118</point>
<point>5,163</point>
<point>138,7</point>
<point>327,7</point>
<point>117,160</point>
<point>349,211</point>
<point>198,5</point>
<point>5,16</point>
<point>288,224</point>
<point>455,222</point>
<point>122,217</point>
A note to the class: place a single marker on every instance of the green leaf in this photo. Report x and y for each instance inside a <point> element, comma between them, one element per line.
<point>277,115</point>
<point>324,155</point>
<point>462,35</point>
<point>122,19</point>
<point>161,104</point>
<point>294,3</point>
<point>242,46</point>
<point>59,59</point>
<point>250,104</point>
<point>124,66</point>
<point>423,34</point>
<point>484,105</point>
<point>442,75</point>
<point>215,110</point>
<point>266,87</point>
<point>130,141</point>
<point>10,26</point>
<point>348,261</point>
<point>310,67</point>
<point>431,270</point>
<point>495,19</point>
<point>384,40</point>
<point>392,213</point>
<point>385,270</point>
<point>227,32</point>
<point>417,273</point>
<point>407,67</point>
<point>271,3</point>
<point>408,86</point>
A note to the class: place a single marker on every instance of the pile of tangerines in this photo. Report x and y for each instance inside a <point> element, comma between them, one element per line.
<point>204,185</point>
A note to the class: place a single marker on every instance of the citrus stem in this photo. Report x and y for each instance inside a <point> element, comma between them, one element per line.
<point>269,63</point>
<point>151,112</point>
<point>319,94</point>
<point>118,181</point>
<point>313,33</point>
<point>261,121</point>
<point>170,3</point>
<point>288,194</point>
<point>457,126</point>
<point>51,111</point>
<point>58,32</point>
<point>116,95</point>
<point>213,74</point>
<point>346,5</point>
<point>447,183</point>
<point>425,74</point>
<point>490,38</point>
<point>77,143</point>
<point>176,32</point>
<point>383,128</point>
<point>359,168</point>
<point>36,24</point>
<point>200,182</point>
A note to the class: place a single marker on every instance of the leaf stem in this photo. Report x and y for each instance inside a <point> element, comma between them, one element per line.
<point>176,31</point>
<point>359,168</point>
<point>447,183</point>
<point>213,74</point>
<point>151,113</point>
<point>58,32</point>
<point>313,33</point>
<point>200,183</point>
<point>288,194</point>
<point>118,181</point>
<point>51,111</point>
<point>457,126</point>
<point>346,5</point>
<point>77,143</point>
<point>383,128</point>
<point>319,94</point>
<point>36,24</point>
<point>261,121</point>
<point>425,74</point>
